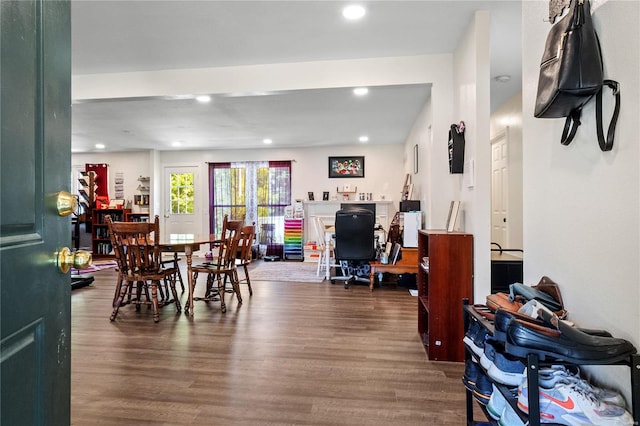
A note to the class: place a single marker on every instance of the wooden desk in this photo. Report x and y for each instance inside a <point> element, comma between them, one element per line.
<point>187,244</point>
<point>407,265</point>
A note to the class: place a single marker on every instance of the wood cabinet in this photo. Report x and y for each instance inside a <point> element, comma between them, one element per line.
<point>443,281</point>
<point>100,240</point>
<point>136,217</point>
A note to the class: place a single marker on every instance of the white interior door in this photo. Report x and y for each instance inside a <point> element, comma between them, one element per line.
<point>180,200</point>
<point>499,190</point>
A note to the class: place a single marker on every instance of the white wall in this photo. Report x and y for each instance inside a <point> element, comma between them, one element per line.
<point>581,205</point>
<point>472,105</point>
<point>508,118</point>
<point>384,170</point>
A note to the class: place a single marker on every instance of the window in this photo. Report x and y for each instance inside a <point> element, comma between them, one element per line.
<point>181,193</point>
<point>256,191</point>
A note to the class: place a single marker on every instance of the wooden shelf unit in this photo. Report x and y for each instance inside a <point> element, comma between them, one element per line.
<point>441,287</point>
<point>136,217</point>
<point>100,241</point>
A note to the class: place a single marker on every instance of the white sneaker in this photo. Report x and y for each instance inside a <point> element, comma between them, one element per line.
<point>549,376</point>
<point>510,417</point>
<point>496,404</point>
<point>572,404</point>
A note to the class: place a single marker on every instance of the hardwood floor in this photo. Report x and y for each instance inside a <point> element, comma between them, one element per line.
<point>293,353</point>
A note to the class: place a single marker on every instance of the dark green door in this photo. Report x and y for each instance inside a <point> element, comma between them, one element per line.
<point>35,152</point>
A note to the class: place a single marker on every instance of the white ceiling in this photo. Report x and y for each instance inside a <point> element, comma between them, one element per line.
<point>123,36</point>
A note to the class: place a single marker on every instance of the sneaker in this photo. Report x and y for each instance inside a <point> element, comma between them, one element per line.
<point>483,389</point>
<point>549,376</point>
<point>475,337</point>
<point>507,370</point>
<point>572,404</point>
<point>510,418</point>
<point>470,374</point>
<point>496,404</point>
<point>489,353</point>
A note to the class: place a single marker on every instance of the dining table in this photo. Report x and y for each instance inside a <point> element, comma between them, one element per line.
<point>187,244</point>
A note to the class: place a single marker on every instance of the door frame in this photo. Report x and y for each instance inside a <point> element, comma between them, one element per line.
<point>501,135</point>
<point>197,196</point>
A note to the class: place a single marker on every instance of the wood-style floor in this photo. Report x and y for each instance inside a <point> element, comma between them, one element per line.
<point>293,353</point>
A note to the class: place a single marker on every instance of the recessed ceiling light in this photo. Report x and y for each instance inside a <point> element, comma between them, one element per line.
<point>203,98</point>
<point>502,78</point>
<point>363,138</point>
<point>360,91</point>
<point>267,141</point>
<point>353,12</point>
<point>176,143</point>
<point>100,146</point>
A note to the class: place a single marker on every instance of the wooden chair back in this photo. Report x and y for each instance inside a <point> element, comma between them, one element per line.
<point>135,245</point>
<point>247,235</point>
<point>229,246</point>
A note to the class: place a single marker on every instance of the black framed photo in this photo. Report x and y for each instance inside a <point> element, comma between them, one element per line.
<point>310,196</point>
<point>325,196</point>
<point>346,167</point>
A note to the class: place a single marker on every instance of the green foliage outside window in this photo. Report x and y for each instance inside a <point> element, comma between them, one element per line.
<point>182,190</point>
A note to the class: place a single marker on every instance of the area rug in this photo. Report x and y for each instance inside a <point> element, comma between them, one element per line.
<point>97,265</point>
<point>285,272</point>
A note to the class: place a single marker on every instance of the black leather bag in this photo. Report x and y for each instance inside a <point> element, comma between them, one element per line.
<point>571,74</point>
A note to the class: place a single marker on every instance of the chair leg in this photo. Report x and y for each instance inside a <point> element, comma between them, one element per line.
<point>139,288</point>
<point>154,300</point>
<point>172,284</point>
<point>318,268</point>
<point>116,294</point>
<point>124,287</point>
<point>175,264</point>
<point>221,283</point>
<point>211,292</point>
<point>246,274</point>
<point>235,283</point>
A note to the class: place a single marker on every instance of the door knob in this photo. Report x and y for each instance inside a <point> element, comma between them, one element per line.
<point>65,259</point>
<point>66,203</point>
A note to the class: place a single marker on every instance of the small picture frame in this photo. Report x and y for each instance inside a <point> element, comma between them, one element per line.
<point>346,167</point>
<point>310,196</point>
<point>325,196</point>
<point>453,215</point>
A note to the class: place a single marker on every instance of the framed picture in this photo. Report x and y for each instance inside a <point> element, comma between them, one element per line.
<point>453,215</point>
<point>310,196</point>
<point>346,167</point>
<point>325,196</point>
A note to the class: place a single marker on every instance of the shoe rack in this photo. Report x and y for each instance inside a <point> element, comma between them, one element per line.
<point>533,364</point>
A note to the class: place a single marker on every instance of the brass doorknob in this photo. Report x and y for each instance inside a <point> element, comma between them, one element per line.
<point>65,259</point>
<point>66,203</point>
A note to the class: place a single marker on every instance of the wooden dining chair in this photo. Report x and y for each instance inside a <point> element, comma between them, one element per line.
<point>244,256</point>
<point>137,250</point>
<point>321,244</point>
<point>219,270</point>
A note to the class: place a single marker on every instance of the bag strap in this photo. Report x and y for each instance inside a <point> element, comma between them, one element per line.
<point>572,122</point>
<point>571,125</point>
<point>607,145</point>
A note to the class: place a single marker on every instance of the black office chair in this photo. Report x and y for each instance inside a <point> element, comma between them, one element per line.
<point>354,244</point>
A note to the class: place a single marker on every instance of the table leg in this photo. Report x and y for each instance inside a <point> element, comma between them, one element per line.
<point>372,274</point>
<point>188,254</point>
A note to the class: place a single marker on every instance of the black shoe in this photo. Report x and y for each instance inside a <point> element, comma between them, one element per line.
<point>564,343</point>
<point>502,318</point>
